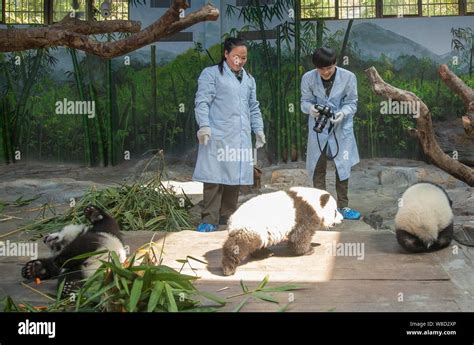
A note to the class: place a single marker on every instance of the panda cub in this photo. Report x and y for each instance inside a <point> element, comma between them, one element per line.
<point>272,218</point>
<point>74,240</point>
<point>424,221</point>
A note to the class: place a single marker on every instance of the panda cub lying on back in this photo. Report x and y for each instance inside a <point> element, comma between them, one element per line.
<point>74,240</point>
<point>424,221</point>
<point>272,218</point>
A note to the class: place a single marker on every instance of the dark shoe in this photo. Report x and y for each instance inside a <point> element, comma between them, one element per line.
<point>223,220</point>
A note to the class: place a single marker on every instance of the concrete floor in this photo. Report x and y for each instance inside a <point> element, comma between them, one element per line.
<point>378,278</point>
<point>372,274</point>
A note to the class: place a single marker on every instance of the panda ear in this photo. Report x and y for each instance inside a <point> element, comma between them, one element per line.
<point>323,199</point>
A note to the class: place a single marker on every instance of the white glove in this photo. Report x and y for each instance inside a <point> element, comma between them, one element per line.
<point>338,117</point>
<point>314,112</point>
<point>204,134</point>
<point>260,136</point>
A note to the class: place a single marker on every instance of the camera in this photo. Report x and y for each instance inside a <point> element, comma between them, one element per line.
<point>325,113</point>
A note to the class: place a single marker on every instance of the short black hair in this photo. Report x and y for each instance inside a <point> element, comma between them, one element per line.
<point>324,57</point>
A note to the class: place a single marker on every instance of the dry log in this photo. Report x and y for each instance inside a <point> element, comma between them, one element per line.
<point>424,128</point>
<point>74,33</point>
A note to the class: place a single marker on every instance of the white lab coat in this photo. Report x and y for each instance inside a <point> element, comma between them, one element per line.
<point>230,108</point>
<point>343,97</point>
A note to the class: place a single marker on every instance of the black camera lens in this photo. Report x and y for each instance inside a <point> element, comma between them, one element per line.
<point>320,124</point>
<point>324,114</point>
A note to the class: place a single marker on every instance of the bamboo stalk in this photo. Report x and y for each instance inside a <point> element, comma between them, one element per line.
<point>80,89</point>
<point>125,125</point>
<point>3,151</point>
<point>8,77</point>
<point>99,131</point>
<point>288,133</point>
<point>268,67</point>
<point>97,122</point>
<point>4,129</point>
<point>133,92</point>
<point>319,32</point>
<point>299,143</point>
<point>25,94</point>
<point>279,96</point>
<point>153,116</point>
<point>109,132</point>
<point>176,102</point>
<point>5,124</point>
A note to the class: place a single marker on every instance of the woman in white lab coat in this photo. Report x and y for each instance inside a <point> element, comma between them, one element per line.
<point>227,111</point>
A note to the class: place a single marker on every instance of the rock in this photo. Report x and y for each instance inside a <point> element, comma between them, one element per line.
<point>191,156</point>
<point>398,176</point>
<point>264,158</point>
<point>374,220</point>
<point>289,177</point>
<point>57,190</point>
<point>407,176</point>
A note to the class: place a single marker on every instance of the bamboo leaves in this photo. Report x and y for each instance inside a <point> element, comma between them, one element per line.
<point>262,293</point>
<point>145,288</point>
<point>144,205</point>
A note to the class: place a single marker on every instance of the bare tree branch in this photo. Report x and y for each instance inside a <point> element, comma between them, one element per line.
<point>424,130</point>
<point>73,33</point>
<point>466,94</point>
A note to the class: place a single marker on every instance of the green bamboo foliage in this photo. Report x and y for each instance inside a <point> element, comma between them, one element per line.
<point>6,148</point>
<point>80,89</point>
<point>20,115</point>
<point>269,69</point>
<point>97,120</point>
<point>15,127</point>
<point>299,143</point>
<point>319,32</point>
<point>6,152</point>
<point>154,109</point>
<point>289,143</point>
<point>176,113</point>
<point>133,95</point>
<point>288,132</point>
<point>278,129</point>
<point>108,122</point>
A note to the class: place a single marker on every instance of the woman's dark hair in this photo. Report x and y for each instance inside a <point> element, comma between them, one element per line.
<point>324,57</point>
<point>229,44</point>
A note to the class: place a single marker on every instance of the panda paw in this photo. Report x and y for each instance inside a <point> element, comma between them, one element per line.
<point>34,269</point>
<point>54,241</point>
<point>70,288</point>
<point>93,213</point>
<point>262,254</point>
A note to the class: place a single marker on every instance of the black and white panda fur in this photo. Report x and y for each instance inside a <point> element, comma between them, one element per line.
<point>424,221</point>
<point>74,240</point>
<point>272,218</point>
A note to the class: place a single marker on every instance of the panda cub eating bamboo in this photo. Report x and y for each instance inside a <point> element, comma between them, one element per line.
<point>272,218</point>
<point>74,240</point>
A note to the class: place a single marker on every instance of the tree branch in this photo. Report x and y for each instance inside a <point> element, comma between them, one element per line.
<point>466,94</point>
<point>424,126</point>
<point>73,33</point>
